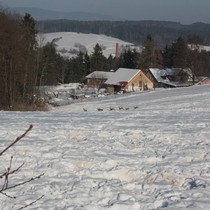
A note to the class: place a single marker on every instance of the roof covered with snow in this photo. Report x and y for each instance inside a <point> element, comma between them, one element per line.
<point>100,75</point>
<point>122,75</point>
<point>160,73</point>
<point>162,76</point>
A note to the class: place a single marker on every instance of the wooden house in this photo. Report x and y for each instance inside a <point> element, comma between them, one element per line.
<point>128,80</point>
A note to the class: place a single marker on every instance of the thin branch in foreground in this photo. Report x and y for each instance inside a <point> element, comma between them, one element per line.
<point>9,171</point>
<point>5,194</point>
<point>30,204</point>
<point>6,175</point>
<point>22,183</point>
<point>16,140</point>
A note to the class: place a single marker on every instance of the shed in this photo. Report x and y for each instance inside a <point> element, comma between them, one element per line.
<point>97,78</point>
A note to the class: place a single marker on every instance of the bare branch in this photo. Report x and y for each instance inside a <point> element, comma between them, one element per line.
<point>17,169</point>
<point>5,194</point>
<point>9,171</point>
<point>22,183</point>
<point>30,204</point>
<point>16,140</point>
<point>6,175</point>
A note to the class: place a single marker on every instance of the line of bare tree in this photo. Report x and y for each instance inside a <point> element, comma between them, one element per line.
<point>18,60</point>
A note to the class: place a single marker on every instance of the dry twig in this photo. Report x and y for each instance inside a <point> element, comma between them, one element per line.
<point>16,140</point>
<point>30,204</point>
<point>9,171</point>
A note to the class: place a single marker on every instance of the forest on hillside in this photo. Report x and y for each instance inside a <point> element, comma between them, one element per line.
<point>163,32</point>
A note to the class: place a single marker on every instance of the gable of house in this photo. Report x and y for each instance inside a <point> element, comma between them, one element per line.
<point>139,82</point>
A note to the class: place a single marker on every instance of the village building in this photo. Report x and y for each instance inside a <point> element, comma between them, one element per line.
<point>97,78</point>
<point>128,80</point>
<point>171,77</point>
<point>122,80</point>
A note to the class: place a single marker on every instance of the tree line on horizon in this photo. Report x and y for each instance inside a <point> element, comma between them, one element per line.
<point>25,64</point>
<point>163,32</point>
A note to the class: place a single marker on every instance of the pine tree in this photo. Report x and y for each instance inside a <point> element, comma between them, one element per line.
<point>167,57</point>
<point>30,48</point>
<point>130,59</point>
<point>150,56</point>
<point>97,59</point>
<point>111,63</point>
<point>180,53</point>
<point>87,64</point>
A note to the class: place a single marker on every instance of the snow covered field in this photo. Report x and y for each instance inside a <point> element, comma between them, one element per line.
<point>154,153</point>
<point>70,42</point>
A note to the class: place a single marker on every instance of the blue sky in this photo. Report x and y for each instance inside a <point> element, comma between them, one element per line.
<point>184,11</point>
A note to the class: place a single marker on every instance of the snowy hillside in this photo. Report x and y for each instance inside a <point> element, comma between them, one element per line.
<point>150,151</point>
<point>206,48</point>
<point>199,47</point>
<point>70,43</point>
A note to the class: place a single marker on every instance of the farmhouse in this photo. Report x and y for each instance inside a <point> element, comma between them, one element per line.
<point>128,80</point>
<point>168,78</point>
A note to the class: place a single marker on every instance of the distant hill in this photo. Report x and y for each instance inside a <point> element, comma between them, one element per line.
<point>69,44</point>
<point>43,14</point>
<point>163,32</point>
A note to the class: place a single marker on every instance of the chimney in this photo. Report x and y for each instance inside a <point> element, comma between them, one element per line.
<point>117,51</point>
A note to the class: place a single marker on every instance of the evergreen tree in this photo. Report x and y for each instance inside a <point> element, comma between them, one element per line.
<point>180,52</point>
<point>87,64</point>
<point>129,59</point>
<point>167,57</point>
<point>29,72</point>
<point>77,68</point>
<point>111,63</point>
<point>30,28</point>
<point>97,60</point>
<point>80,65</point>
<point>150,56</point>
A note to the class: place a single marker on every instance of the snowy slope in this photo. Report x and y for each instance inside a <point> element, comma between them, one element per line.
<point>153,156</point>
<point>69,43</point>
<point>199,47</point>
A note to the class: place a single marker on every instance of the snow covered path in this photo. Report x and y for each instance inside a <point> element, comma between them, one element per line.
<point>153,153</point>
